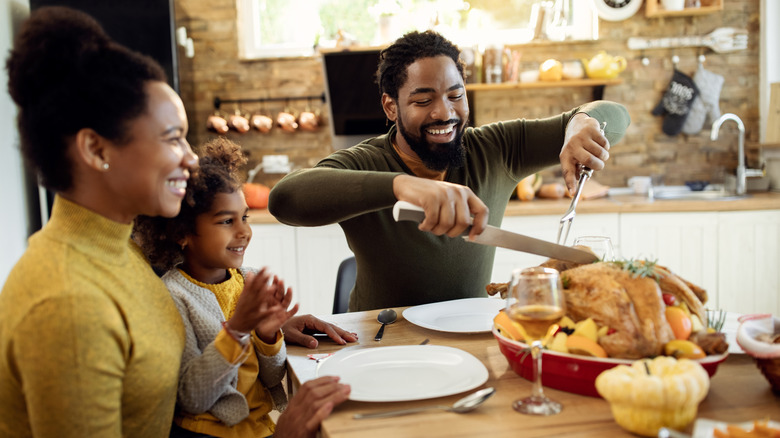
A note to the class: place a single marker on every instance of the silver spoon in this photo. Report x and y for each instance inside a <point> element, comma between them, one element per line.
<point>387,316</point>
<point>466,404</point>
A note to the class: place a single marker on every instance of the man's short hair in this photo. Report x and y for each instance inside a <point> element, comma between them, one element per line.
<point>394,60</point>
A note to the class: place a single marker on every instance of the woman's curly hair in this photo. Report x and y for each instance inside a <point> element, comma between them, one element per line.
<point>394,60</point>
<point>219,172</point>
<point>65,74</point>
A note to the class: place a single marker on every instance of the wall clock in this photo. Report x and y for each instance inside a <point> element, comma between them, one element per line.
<point>617,10</point>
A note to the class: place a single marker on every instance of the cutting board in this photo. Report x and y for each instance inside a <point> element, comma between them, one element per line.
<point>593,190</point>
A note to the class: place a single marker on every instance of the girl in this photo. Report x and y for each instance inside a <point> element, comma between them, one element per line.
<point>233,361</point>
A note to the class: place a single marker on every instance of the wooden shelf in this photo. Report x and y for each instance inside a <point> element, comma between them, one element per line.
<point>545,84</point>
<point>653,9</point>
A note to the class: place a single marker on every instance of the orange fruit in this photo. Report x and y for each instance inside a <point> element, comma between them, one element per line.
<point>578,344</point>
<point>256,195</point>
<point>679,321</point>
<point>509,328</point>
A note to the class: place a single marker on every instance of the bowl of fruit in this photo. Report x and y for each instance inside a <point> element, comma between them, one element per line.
<point>576,369</point>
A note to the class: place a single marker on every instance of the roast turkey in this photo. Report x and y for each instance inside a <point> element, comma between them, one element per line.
<point>627,298</point>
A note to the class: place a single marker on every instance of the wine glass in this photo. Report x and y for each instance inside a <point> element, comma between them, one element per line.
<point>535,300</point>
<point>600,245</point>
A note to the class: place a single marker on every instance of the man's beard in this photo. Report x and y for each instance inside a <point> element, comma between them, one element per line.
<point>437,156</point>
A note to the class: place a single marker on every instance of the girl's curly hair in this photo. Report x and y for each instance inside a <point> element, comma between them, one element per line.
<point>218,172</point>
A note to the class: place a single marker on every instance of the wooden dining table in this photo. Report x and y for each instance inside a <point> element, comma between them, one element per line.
<point>738,392</point>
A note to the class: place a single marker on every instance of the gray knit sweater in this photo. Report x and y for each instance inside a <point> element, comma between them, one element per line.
<point>207,381</point>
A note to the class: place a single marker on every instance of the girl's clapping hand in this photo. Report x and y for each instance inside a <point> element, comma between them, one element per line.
<point>277,303</point>
<point>262,306</point>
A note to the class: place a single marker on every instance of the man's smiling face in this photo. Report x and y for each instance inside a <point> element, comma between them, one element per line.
<point>432,112</point>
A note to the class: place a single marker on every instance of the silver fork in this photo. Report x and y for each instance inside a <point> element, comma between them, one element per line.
<point>566,220</point>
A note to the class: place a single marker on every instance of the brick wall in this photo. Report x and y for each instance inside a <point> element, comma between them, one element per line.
<point>216,71</point>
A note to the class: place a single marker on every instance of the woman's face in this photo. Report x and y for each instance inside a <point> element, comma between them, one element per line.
<point>149,174</point>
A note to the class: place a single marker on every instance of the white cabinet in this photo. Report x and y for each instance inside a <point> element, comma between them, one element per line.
<point>273,245</point>
<point>320,250</point>
<point>734,255</point>
<point>749,261</point>
<point>686,243</point>
<point>306,258</point>
<point>545,227</point>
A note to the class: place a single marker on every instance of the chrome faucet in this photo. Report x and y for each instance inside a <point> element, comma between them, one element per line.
<point>741,169</point>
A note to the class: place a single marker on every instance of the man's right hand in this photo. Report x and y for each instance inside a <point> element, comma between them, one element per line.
<point>449,208</point>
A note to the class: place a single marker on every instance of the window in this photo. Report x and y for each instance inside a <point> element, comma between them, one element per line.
<point>279,28</point>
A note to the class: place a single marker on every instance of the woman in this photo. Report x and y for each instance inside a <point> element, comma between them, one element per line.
<point>91,341</point>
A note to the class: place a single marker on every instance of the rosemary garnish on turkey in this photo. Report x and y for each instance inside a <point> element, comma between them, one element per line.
<point>640,268</point>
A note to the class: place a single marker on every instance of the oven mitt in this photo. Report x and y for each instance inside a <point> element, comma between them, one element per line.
<point>676,103</point>
<point>706,107</point>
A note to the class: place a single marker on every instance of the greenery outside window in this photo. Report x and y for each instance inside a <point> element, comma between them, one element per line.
<point>283,28</point>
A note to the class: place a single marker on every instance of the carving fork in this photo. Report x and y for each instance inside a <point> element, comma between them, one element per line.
<point>565,224</point>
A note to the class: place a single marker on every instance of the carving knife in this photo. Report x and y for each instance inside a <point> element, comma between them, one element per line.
<point>492,236</point>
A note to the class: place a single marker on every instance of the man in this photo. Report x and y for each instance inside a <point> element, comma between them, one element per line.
<point>460,176</point>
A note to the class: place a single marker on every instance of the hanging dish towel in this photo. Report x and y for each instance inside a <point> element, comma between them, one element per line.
<point>676,103</point>
<point>706,107</point>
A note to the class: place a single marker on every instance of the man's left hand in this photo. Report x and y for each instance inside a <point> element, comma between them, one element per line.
<point>584,145</point>
<point>294,327</point>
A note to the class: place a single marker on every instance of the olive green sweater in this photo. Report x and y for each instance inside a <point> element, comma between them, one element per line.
<point>398,265</point>
<point>90,339</point>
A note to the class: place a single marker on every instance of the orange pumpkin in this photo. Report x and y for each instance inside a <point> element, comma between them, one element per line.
<point>256,195</point>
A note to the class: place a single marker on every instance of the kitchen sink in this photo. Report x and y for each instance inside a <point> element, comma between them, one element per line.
<point>683,193</point>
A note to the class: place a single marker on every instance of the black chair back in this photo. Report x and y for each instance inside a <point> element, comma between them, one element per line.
<point>345,281</point>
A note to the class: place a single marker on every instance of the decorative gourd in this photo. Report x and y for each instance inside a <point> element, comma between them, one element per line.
<point>527,187</point>
<point>654,393</point>
<point>551,70</point>
<point>256,195</point>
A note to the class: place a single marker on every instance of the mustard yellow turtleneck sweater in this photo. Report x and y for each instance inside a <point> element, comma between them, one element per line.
<point>90,339</point>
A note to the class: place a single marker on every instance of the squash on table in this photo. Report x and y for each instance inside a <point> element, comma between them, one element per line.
<point>654,393</point>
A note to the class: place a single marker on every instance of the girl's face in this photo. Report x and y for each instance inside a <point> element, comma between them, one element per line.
<point>149,174</point>
<point>221,237</point>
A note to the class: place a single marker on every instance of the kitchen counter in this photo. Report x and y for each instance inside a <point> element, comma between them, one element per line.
<point>611,204</point>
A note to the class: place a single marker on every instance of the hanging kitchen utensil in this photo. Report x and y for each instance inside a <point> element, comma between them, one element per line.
<point>261,120</point>
<point>238,122</point>
<point>720,40</point>
<point>262,123</point>
<point>286,120</point>
<point>308,120</point>
<point>217,123</point>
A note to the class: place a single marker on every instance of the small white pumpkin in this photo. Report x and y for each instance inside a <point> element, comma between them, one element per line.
<point>654,393</point>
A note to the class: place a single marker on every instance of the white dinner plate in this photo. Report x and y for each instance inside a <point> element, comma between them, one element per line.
<point>468,315</point>
<point>704,427</point>
<point>405,372</point>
